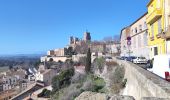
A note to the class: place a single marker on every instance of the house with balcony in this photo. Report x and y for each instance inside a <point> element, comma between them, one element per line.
<point>139,37</point>
<point>156,27</point>
<point>166,34</point>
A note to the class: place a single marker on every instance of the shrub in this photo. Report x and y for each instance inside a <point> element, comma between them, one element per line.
<point>93,83</point>
<point>78,78</point>
<point>100,63</point>
<point>45,93</point>
<point>112,63</point>
<point>118,75</point>
<point>99,83</point>
<point>71,94</point>
<point>124,83</point>
<point>68,93</point>
<point>87,86</point>
<point>117,80</point>
<point>62,80</point>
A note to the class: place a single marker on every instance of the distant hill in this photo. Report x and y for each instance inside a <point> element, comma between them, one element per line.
<point>23,55</point>
<point>23,60</point>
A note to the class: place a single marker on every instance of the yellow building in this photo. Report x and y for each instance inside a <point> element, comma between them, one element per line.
<point>156,27</point>
<point>167,24</point>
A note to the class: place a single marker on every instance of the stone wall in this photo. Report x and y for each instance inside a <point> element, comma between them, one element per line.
<point>142,83</point>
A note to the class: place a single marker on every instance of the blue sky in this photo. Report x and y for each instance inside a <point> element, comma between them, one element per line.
<point>34,26</point>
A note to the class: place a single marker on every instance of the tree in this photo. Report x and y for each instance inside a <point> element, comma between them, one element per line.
<point>62,80</point>
<point>10,67</point>
<point>108,39</point>
<point>100,63</point>
<point>88,61</point>
<point>116,38</point>
<point>45,93</point>
<point>69,51</point>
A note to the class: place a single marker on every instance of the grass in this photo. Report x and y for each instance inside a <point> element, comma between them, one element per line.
<point>99,81</point>
<point>3,69</point>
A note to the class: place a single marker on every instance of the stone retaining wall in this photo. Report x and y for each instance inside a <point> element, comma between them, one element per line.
<point>142,83</point>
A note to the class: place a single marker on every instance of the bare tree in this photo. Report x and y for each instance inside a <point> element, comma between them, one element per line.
<point>116,38</point>
<point>108,39</point>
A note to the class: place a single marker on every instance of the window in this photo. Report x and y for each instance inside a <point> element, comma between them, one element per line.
<point>145,25</point>
<point>139,40</point>
<point>134,42</point>
<point>136,30</point>
<point>155,51</point>
<point>159,26</point>
<point>140,28</point>
<point>152,30</point>
<point>145,39</point>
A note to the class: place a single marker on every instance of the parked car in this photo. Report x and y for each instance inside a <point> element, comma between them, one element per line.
<point>118,57</point>
<point>161,66</point>
<point>109,59</point>
<point>123,58</point>
<point>140,60</point>
<point>149,64</point>
<point>130,58</point>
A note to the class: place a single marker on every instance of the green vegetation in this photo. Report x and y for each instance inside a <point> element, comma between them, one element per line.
<point>68,93</point>
<point>93,83</point>
<point>100,63</point>
<point>117,80</point>
<point>45,93</point>
<point>68,85</point>
<point>84,83</point>
<point>98,84</point>
<point>62,80</point>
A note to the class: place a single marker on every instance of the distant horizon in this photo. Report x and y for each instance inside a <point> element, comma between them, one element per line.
<point>23,54</point>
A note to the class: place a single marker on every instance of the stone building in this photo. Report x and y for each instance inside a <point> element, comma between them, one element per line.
<point>87,37</point>
<point>125,32</point>
<point>60,52</point>
<point>50,53</point>
<point>113,48</point>
<point>45,76</point>
<point>98,47</point>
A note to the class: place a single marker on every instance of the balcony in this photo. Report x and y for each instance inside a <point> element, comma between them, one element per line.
<point>155,15</point>
<point>152,38</point>
<point>167,33</point>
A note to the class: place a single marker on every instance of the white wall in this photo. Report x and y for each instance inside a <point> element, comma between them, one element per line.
<point>139,40</point>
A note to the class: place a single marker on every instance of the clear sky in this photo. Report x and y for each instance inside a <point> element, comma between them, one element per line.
<point>34,26</point>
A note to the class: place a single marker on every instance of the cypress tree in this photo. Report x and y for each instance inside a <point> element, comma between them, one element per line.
<point>88,61</point>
